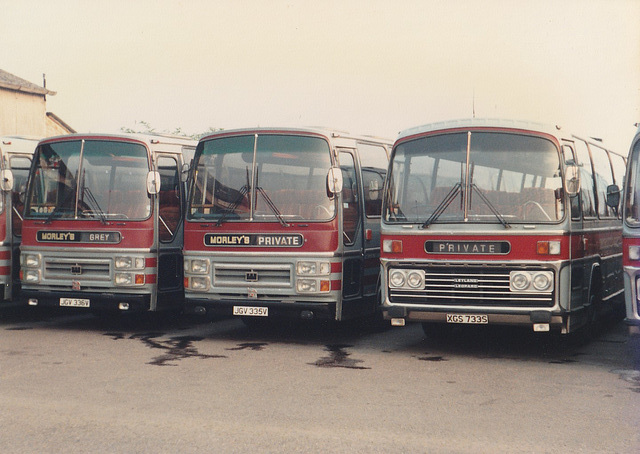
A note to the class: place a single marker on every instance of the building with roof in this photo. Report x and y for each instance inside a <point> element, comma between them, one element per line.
<point>23,109</point>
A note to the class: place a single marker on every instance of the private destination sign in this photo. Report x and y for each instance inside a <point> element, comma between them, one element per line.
<point>467,247</point>
<point>254,239</point>
<point>70,236</point>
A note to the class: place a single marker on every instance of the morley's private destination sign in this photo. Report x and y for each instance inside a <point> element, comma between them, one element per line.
<point>467,247</point>
<point>254,239</point>
<point>74,236</point>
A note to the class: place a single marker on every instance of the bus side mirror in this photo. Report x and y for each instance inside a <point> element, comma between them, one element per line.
<point>184,176</point>
<point>6,177</point>
<point>153,182</point>
<point>572,180</point>
<point>334,180</point>
<point>613,196</point>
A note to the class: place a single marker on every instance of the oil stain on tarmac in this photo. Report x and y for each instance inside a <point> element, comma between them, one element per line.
<point>431,358</point>
<point>338,357</point>
<point>175,348</point>
<point>255,346</point>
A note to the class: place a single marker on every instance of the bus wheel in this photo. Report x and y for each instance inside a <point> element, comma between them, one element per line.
<point>376,310</point>
<point>592,315</point>
<point>436,330</point>
<point>375,316</point>
<point>591,325</point>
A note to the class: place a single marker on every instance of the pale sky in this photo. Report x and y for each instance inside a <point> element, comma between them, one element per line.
<point>365,66</point>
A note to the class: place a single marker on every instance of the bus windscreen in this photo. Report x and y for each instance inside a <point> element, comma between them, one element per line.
<point>90,179</point>
<point>265,177</point>
<point>475,177</point>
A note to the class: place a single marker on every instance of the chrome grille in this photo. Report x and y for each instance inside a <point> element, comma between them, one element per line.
<point>243,275</point>
<point>469,286</point>
<point>92,269</point>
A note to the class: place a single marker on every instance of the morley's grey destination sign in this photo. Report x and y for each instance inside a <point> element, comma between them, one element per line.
<point>75,236</point>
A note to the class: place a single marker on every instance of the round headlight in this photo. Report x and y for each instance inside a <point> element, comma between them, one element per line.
<point>396,278</point>
<point>541,281</point>
<point>414,280</point>
<point>520,281</point>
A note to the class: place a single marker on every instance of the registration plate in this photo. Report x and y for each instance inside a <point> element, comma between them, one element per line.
<point>74,302</point>
<point>251,311</point>
<point>471,319</point>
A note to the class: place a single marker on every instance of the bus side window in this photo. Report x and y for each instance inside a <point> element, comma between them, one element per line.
<point>587,195</point>
<point>374,162</point>
<point>20,168</point>
<point>168,198</point>
<point>350,205</point>
<point>576,214</point>
<point>373,182</point>
<point>619,169</point>
<point>604,178</point>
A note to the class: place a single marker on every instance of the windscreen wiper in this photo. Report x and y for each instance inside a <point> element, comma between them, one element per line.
<point>232,208</point>
<point>271,205</point>
<point>493,209</point>
<point>453,193</point>
<point>93,203</point>
<point>56,209</point>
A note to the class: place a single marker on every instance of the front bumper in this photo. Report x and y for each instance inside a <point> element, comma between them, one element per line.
<point>277,309</point>
<point>101,302</point>
<point>555,320</point>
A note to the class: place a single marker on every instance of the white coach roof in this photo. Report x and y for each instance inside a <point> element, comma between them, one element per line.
<point>479,123</point>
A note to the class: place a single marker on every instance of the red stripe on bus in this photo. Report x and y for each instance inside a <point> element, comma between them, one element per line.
<point>318,237</point>
<point>151,262</point>
<point>5,254</point>
<point>134,234</point>
<point>5,270</point>
<point>150,279</point>
<point>336,285</point>
<point>522,247</point>
<point>3,226</point>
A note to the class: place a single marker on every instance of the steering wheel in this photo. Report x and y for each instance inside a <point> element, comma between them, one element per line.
<point>319,210</point>
<point>537,205</point>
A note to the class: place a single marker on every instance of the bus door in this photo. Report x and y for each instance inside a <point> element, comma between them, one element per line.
<point>169,225</point>
<point>352,238</point>
<point>374,161</point>
<point>577,243</point>
<point>583,258</point>
<point>19,165</point>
